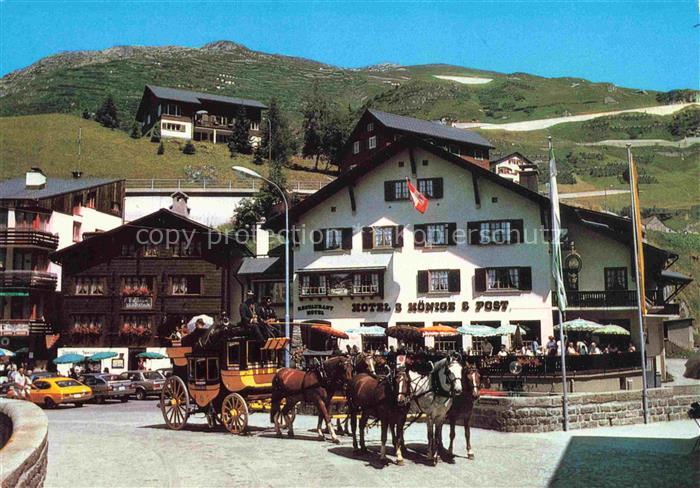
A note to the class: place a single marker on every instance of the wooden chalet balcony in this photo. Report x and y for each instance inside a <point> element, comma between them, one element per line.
<point>28,238</point>
<point>23,327</point>
<point>28,279</point>
<point>611,298</point>
<point>208,124</point>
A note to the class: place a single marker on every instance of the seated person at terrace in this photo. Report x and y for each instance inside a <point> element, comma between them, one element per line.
<point>250,320</point>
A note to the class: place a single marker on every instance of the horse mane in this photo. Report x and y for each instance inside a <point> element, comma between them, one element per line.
<point>439,363</point>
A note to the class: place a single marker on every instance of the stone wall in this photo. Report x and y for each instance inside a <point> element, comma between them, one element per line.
<point>586,410</point>
<point>23,456</point>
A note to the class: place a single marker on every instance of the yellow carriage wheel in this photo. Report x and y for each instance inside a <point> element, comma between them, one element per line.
<point>234,413</point>
<point>175,403</point>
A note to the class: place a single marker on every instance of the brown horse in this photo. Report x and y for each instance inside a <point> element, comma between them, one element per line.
<point>462,407</point>
<point>316,386</point>
<point>387,400</point>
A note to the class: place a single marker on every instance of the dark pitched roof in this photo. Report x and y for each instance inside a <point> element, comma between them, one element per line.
<point>197,97</point>
<point>357,172</point>
<point>15,189</point>
<point>428,128</point>
<point>254,265</point>
<point>153,220</point>
<point>508,156</point>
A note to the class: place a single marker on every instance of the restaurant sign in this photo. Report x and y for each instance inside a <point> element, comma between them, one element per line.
<point>14,329</point>
<point>138,303</point>
<point>315,309</point>
<point>422,306</point>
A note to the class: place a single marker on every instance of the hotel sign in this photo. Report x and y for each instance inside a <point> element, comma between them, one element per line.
<point>10,329</point>
<point>138,303</point>
<point>422,306</point>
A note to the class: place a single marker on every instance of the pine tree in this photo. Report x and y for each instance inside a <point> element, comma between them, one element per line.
<point>155,133</point>
<point>240,139</point>
<point>161,149</point>
<point>135,131</point>
<point>251,210</point>
<point>86,114</point>
<point>314,110</point>
<point>107,114</point>
<point>283,144</point>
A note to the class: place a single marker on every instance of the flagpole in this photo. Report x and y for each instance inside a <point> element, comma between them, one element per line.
<point>555,237</point>
<point>640,317</point>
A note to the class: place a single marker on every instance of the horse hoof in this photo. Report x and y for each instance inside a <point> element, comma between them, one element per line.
<point>399,463</point>
<point>279,435</point>
<point>470,456</point>
<point>336,441</point>
<point>290,435</point>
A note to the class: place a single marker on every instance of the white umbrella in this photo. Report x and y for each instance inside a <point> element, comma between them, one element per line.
<point>370,330</point>
<point>208,322</point>
<point>477,330</point>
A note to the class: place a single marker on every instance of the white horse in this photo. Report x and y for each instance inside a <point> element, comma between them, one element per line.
<point>433,394</point>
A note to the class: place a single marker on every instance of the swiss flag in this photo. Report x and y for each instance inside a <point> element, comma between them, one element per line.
<point>419,201</point>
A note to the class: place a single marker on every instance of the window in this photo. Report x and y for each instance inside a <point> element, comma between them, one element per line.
<point>200,369</point>
<point>372,142</point>
<point>84,324</point>
<point>370,127</point>
<point>430,187</point>
<point>234,353</point>
<point>503,278</point>
<point>454,149</point>
<point>173,127</point>
<point>272,289</point>
<point>383,237</point>
<point>172,109</point>
<point>138,324</point>
<point>91,199</point>
<point>313,285</point>
<point>341,284</point>
<point>212,369</point>
<point>365,284</point>
<point>333,238</point>
<point>254,125</point>
<point>616,278</point>
<point>495,232</point>
<point>356,147</point>
<point>90,285</point>
<point>137,286</point>
<point>428,235</point>
<point>77,204</point>
<point>186,285</point>
<point>425,162</point>
<point>396,190</point>
<point>439,281</point>
<point>436,234</point>
<point>116,207</point>
<point>478,154</point>
<point>76,231</point>
<point>182,248</point>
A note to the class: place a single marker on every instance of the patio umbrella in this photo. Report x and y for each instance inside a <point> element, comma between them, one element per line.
<point>477,330</point>
<point>150,355</point>
<point>6,353</point>
<point>330,331</point>
<point>370,330</point>
<point>22,350</point>
<point>99,356</point>
<point>579,325</point>
<point>612,329</point>
<point>438,331</point>
<point>208,322</point>
<point>69,359</point>
<point>404,333</point>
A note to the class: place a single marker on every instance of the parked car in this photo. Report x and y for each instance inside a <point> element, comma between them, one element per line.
<point>166,372</point>
<point>105,386</point>
<point>145,383</point>
<point>51,392</point>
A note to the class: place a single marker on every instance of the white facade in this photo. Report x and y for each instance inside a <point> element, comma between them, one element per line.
<point>176,128</point>
<point>401,294</point>
<point>510,167</point>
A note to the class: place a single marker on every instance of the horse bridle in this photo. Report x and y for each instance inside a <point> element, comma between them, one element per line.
<point>450,377</point>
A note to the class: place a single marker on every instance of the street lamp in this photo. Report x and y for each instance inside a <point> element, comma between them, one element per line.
<point>254,174</point>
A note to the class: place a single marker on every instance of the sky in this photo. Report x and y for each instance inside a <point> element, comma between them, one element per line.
<point>651,45</point>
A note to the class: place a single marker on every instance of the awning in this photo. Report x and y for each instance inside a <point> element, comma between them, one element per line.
<point>348,262</point>
<point>254,266</point>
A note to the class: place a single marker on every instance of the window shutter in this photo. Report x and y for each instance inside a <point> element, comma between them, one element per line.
<point>453,281</point>
<point>422,282</point>
<point>437,188</point>
<point>525,278</point>
<point>480,280</point>
<point>318,240</point>
<point>473,229</point>
<point>346,238</point>
<point>516,231</point>
<point>389,191</point>
<point>451,229</point>
<point>398,236</point>
<point>419,235</point>
<point>367,241</point>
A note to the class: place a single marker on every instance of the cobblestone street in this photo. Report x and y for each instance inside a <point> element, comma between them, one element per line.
<point>129,445</point>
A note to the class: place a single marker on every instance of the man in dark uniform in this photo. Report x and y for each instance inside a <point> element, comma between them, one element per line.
<point>249,317</point>
<point>268,317</point>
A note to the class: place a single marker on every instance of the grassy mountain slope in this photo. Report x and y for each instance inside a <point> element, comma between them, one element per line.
<point>72,82</point>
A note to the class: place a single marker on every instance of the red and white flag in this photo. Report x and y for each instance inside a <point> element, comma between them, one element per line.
<point>419,201</point>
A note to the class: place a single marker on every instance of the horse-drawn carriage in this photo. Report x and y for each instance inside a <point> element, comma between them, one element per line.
<point>222,373</point>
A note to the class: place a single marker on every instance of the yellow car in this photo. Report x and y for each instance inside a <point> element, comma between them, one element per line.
<point>51,392</point>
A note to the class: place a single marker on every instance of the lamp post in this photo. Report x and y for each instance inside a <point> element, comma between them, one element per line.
<point>254,174</point>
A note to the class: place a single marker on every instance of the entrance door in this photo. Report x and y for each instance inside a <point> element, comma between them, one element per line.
<point>135,362</point>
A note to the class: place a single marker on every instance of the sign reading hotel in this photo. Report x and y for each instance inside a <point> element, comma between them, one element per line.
<point>431,307</point>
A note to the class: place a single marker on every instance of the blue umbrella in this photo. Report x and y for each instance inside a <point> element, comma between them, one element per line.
<point>370,330</point>
<point>150,355</point>
<point>4,353</point>
<point>477,330</point>
<point>99,356</point>
<point>69,359</point>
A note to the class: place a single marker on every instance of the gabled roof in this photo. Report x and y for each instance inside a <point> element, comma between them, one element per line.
<point>516,153</point>
<point>197,97</point>
<point>15,189</point>
<point>360,170</point>
<point>427,128</point>
<point>163,218</point>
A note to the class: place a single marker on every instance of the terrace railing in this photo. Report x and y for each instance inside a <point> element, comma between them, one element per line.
<point>234,184</point>
<point>28,238</point>
<point>28,279</point>
<point>611,298</point>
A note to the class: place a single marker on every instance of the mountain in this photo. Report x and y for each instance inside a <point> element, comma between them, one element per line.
<point>71,82</point>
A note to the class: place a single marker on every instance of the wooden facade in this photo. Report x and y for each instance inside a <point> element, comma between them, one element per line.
<point>130,287</point>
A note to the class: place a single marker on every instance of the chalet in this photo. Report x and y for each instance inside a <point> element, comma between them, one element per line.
<point>478,255</point>
<point>37,216</point>
<point>517,168</point>
<point>129,288</point>
<point>376,130</point>
<point>189,115</point>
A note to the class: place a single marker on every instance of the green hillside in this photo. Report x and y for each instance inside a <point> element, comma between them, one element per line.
<point>76,81</point>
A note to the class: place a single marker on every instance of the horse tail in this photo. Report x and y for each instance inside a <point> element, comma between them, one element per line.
<point>276,396</point>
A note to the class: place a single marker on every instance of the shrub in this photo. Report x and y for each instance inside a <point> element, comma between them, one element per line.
<point>189,148</point>
<point>135,131</point>
<point>161,149</point>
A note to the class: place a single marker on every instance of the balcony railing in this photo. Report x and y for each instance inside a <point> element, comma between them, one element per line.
<point>611,298</point>
<point>23,327</point>
<point>28,279</point>
<point>236,184</point>
<point>28,238</point>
